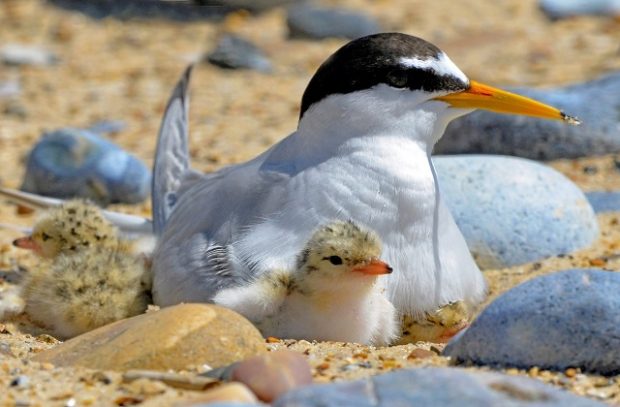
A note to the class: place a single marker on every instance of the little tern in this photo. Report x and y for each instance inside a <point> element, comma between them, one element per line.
<point>368,122</point>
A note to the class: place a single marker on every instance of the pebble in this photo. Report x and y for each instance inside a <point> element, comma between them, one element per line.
<point>514,211</point>
<point>68,163</point>
<point>108,126</point>
<point>314,22</point>
<point>271,375</point>
<point>567,319</point>
<point>9,89</point>
<point>172,338</point>
<point>556,9</point>
<point>444,387</point>
<point>20,54</point>
<point>604,201</point>
<point>252,5</point>
<point>225,393</point>
<point>233,52</point>
<point>491,133</point>
<point>131,9</point>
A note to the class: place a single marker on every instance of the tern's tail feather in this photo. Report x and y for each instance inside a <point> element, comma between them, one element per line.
<point>131,224</point>
<point>172,154</point>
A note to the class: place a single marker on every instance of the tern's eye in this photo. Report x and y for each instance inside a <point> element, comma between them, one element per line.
<point>335,260</point>
<point>397,78</point>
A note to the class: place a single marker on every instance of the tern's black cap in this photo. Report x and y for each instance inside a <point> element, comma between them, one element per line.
<point>369,61</point>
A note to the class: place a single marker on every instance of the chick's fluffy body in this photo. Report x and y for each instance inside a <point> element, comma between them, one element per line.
<point>85,290</point>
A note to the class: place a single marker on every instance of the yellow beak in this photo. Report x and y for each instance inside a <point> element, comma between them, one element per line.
<point>481,96</point>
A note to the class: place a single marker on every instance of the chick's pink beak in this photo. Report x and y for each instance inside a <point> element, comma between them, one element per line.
<point>26,242</point>
<point>375,267</point>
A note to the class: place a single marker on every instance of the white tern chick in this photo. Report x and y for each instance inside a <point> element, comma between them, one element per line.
<point>333,295</point>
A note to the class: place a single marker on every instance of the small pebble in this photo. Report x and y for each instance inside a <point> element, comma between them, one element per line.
<point>556,9</point>
<point>420,354</point>
<point>314,22</point>
<point>9,89</point>
<point>273,374</point>
<point>604,201</point>
<point>20,381</point>
<point>20,54</point>
<point>233,52</point>
<point>228,392</point>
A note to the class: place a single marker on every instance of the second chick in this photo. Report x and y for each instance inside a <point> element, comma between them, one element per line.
<point>88,276</point>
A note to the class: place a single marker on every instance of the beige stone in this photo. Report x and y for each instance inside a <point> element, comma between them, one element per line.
<point>229,392</point>
<point>172,338</point>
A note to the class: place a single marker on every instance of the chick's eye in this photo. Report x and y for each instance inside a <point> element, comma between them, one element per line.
<point>335,260</point>
<point>397,79</point>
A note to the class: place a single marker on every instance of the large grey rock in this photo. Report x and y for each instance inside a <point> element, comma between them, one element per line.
<point>308,21</point>
<point>556,9</point>
<point>513,211</point>
<point>561,320</point>
<point>596,103</point>
<point>437,387</point>
<point>70,163</point>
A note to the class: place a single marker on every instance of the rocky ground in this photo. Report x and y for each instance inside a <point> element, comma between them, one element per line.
<point>111,69</point>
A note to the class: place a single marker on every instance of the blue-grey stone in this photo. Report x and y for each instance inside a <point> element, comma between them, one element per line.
<point>234,52</point>
<point>603,201</point>
<point>314,22</point>
<point>565,319</point>
<point>70,163</point>
<point>596,103</point>
<point>512,210</point>
<point>556,9</point>
<point>437,387</point>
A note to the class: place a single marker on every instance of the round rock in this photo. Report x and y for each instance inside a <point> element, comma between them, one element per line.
<point>561,320</point>
<point>172,338</point>
<point>69,163</point>
<point>313,22</point>
<point>445,387</point>
<point>491,133</point>
<point>513,211</point>
<point>234,52</point>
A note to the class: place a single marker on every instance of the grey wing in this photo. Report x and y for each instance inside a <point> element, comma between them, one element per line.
<point>195,271</point>
<point>172,154</point>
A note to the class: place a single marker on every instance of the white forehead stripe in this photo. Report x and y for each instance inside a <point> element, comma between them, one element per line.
<point>443,66</point>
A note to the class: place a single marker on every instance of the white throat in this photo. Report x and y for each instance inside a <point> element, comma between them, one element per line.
<point>381,110</point>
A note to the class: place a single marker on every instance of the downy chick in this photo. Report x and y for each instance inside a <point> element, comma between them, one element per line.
<point>89,276</point>
<point>334,293</point>
<point>85,290</point>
